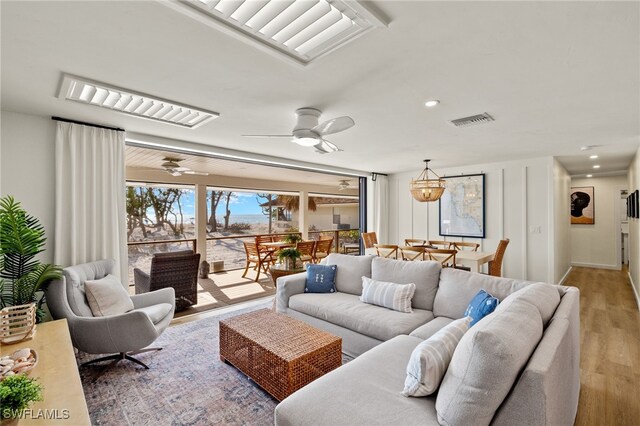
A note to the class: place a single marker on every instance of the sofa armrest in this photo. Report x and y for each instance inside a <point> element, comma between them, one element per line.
<point>288,286</point>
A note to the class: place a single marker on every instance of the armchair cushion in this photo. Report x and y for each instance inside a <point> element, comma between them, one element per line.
<point>156,312</point>
<point>106,296</point>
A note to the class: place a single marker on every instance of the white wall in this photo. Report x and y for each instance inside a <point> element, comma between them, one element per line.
<point>518,206</point>
<point>634,229</point>
<point>598,245</point>
<point>27,167</point>
<point>561,222</point>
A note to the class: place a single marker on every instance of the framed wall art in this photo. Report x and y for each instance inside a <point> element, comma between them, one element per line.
<point>462,207</point>
<point>582,205</point>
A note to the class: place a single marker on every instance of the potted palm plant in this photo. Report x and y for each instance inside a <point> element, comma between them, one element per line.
<point>292,238</point>
<point>22,276</point>
<point>289,256</point>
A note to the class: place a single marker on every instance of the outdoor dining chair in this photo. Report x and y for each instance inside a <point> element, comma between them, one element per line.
<point>322,250</point>
<point>306,249</point>
<point>260,259</point>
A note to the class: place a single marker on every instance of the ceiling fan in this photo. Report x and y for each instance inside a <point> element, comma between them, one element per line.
<point>172,166</point>
<point>309,132</point>
<point>344,184</point>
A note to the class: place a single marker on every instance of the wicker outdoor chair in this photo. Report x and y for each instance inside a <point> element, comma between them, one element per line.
<point>178,270</point>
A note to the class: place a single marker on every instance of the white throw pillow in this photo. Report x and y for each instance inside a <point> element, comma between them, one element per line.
<point>106,296</point>
<point>430,359</point>
<point>388,295</point>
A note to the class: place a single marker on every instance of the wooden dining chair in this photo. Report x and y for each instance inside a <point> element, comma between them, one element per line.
<point>260,240</point>
<point>389,251</point>
<point>322,250</point>
<point>369,239</point>
<point>446,257</point>
<point>495,265</point>
<point>415,242</point>
<point>306,249</point>
<point>260,259</point>
<point>461,245</point>
<point>446,245</point>
<point>411,253</point>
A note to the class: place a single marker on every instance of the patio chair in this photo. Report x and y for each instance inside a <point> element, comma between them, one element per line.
<point>260,259</point>
<point>323,248</point>
<point>306,249</point>
<point>411,253</point>
<point>389,251</point>
<point>178,270</point>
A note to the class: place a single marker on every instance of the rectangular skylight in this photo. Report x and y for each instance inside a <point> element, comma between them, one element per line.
<point>302,30</point>
<point>103,95</point>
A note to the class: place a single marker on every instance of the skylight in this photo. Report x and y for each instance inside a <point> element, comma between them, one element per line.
<point>302,30</point>
<point>102,95</point>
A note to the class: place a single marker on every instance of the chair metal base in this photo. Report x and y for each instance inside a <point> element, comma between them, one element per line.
<point>122,356</point>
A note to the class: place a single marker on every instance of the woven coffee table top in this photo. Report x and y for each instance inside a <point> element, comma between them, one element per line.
<point>287,337</point>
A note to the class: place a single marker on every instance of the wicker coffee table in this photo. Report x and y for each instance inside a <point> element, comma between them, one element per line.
<point>280,353</point>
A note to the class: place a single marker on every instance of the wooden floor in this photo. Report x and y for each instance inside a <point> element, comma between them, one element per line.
<point>610,348</point>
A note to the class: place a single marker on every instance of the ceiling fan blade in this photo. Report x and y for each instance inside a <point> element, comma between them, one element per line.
<point>174,173</point>
<point>180,169</point>
<point>326,147</point>
<point>191,172</point>
<point>334,125</point>
<point>267,136</point>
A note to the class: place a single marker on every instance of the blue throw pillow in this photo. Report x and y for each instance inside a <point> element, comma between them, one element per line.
<point>481,305</point>
<point>321,279</point>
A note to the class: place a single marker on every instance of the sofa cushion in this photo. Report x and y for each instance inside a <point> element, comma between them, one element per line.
<point>351,269</point>
<point>156,312</point>
<point>321,279</point>
<point>346,310</point>
<point>430,359</point>
<point>106,296</point>
<point>480,306</point>
<point>486,364</point>
<point>388,295</point>
<point>425,275</point>
<point>363,392</point>
<point>431,328</point>
<point>457,288</point>
<point>543,296</point>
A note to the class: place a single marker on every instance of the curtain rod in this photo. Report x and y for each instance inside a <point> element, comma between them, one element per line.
<point>100,126</point>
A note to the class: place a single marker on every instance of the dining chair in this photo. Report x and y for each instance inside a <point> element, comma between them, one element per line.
<point>369,239</point>
<point>440,244</point>
<point>260,240</point>
<point>306,249</point>
<point>389,251</point>
<point>444,256</point>
<point>415,242</point>
<point>322,250</point>
<point>260,259</point>
<point>461,245</point>
<point>495,265</point>
<point>411,253</point>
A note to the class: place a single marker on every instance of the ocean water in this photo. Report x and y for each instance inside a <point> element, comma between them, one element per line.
<point>247,218</point>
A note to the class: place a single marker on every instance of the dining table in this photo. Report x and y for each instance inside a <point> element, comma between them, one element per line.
<point>278,245</point>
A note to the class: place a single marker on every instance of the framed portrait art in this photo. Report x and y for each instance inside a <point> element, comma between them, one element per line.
<point>583,205</point>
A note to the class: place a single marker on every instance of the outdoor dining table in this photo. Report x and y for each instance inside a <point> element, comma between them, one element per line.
<point>278,245</point>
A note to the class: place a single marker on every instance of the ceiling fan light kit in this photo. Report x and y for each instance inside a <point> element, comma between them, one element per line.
<point>424,189</point>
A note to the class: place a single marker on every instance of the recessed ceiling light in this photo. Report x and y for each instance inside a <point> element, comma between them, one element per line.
<point>593,157</point>
<point>431,103</point>
<point>589,175</point>
<point>597,166</point>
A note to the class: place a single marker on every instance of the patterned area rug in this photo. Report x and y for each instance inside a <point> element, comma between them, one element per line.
<point>186,384</point>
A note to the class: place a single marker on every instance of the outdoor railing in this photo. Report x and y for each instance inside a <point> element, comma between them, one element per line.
<point>228,249</point>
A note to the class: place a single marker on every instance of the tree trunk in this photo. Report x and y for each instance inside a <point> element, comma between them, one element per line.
<point>227,216</point>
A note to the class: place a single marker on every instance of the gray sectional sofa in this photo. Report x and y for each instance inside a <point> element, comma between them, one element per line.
<point>542,390</point>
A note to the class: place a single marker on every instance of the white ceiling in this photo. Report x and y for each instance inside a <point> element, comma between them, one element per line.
<point>555,75</point>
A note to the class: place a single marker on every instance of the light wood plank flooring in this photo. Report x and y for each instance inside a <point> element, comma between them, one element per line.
<point>610,348</point>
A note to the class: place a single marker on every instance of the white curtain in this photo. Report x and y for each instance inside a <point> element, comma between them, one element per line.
<point>381,209</point>
<point>90,220</point>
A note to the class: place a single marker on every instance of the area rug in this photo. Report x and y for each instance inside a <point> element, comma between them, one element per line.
<point>186,384</point>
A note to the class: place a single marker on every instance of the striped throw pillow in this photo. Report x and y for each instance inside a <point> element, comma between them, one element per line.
<point>388,295</point>
<point>430,359</point>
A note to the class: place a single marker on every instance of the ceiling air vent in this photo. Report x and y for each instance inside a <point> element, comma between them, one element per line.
<point>473,120</point>
<point>301,30</point>
<point>103,95</point>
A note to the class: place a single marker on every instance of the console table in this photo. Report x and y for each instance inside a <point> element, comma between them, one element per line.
<point>57,371</point>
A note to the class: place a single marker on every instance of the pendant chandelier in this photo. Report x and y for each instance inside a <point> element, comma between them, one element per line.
<point>424,189</point>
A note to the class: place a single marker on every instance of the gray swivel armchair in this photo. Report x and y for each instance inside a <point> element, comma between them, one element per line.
<point>126,334</point>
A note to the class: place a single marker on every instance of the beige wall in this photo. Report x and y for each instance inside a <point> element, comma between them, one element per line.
<point>633,183</point>
<point>561,222</point>
<point>598,245</point>
<point>27,168</point>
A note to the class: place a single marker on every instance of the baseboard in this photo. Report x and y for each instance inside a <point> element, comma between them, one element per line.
<point>635,292</point>
<point>564,277</point>
<point>597,266</point>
